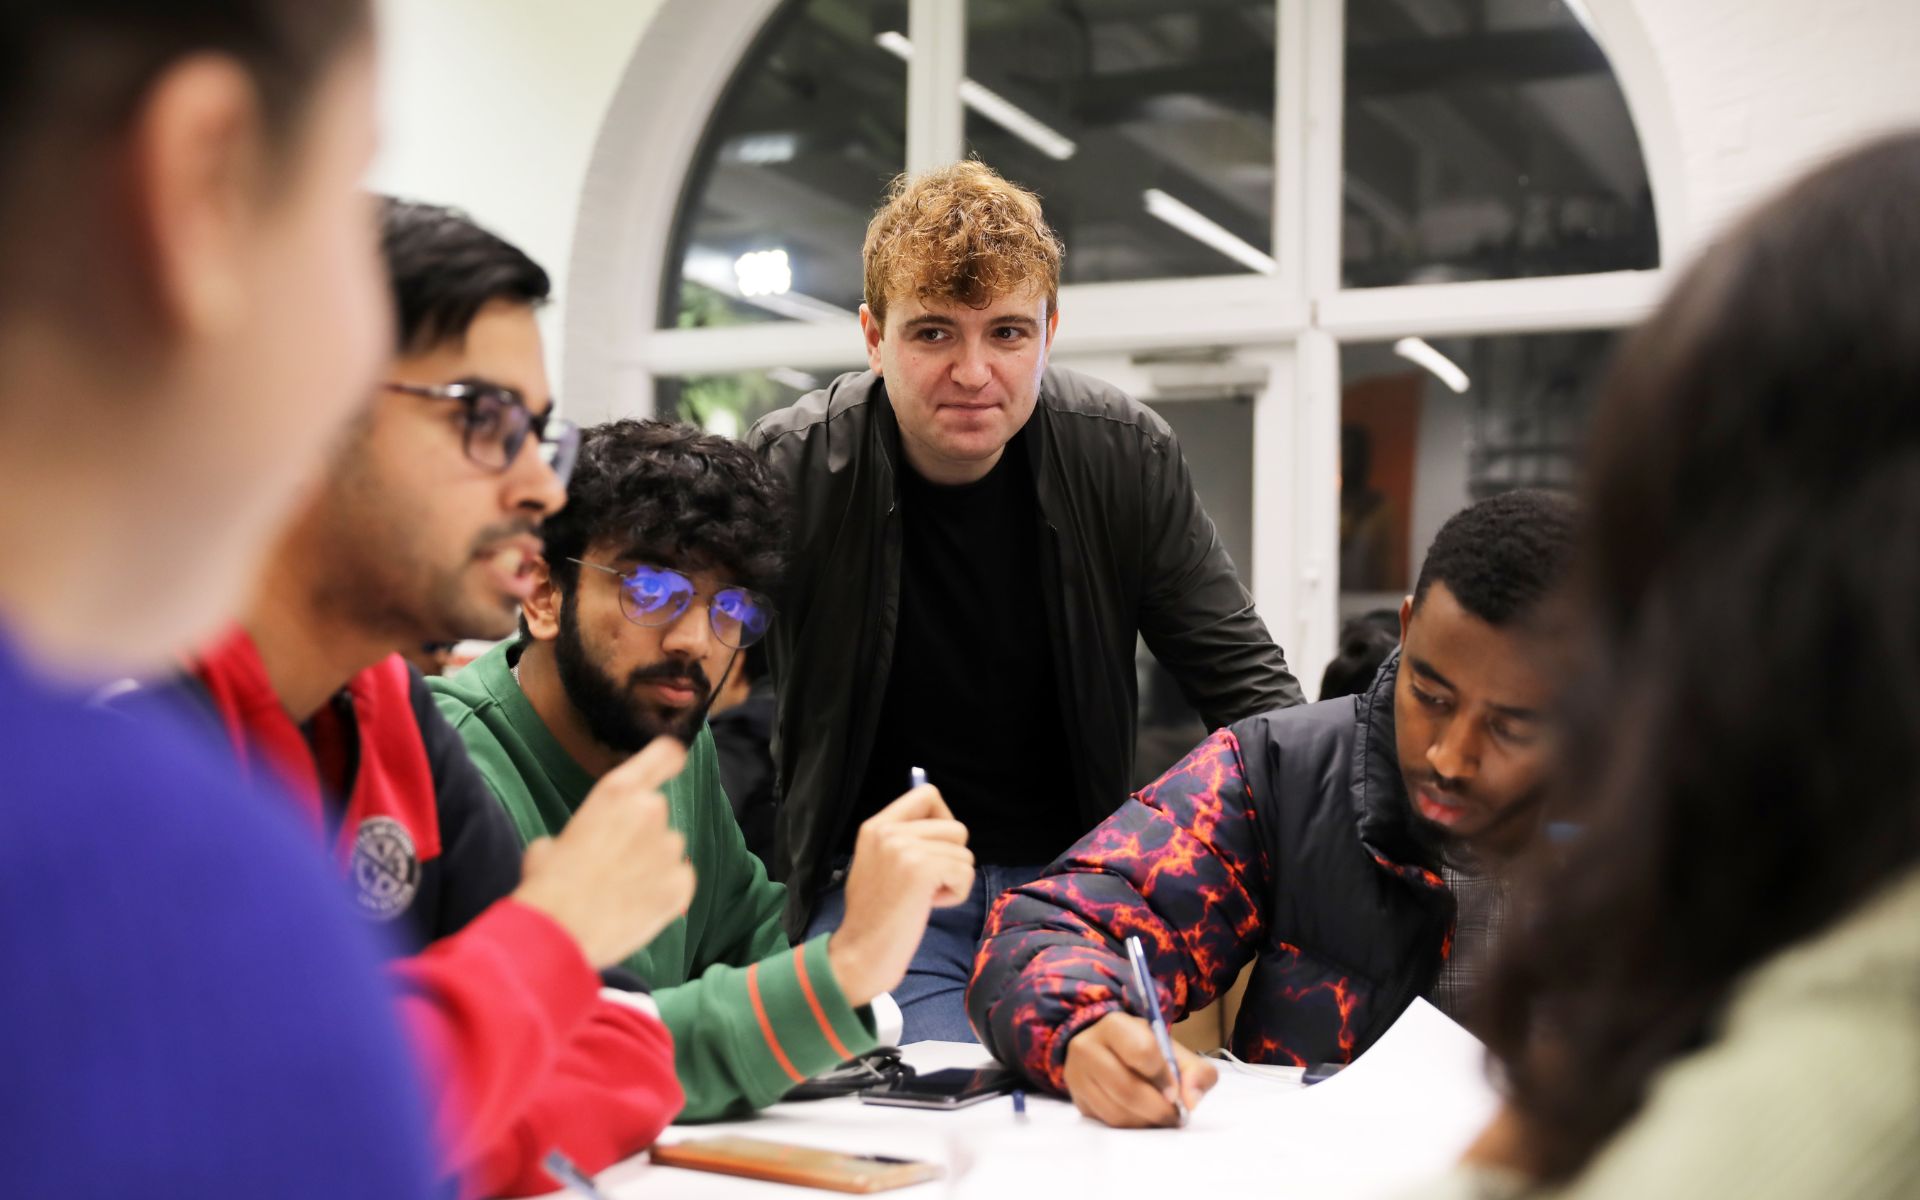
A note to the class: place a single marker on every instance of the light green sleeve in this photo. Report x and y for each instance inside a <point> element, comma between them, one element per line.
<point>1821,1099</point>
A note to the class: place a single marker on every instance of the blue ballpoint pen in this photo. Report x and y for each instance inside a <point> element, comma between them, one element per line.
<point>561,1167</point>
<point>1150,1009</point>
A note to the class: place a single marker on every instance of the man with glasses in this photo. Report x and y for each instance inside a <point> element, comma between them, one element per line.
<point>655,579</point>
<point>426,529</point>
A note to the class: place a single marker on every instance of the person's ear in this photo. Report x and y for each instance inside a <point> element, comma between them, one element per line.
<point>194,172</point>
<point>871,330</point>
<point>1406,617</point>
<point>542,607</point>
<point>1053,327</point>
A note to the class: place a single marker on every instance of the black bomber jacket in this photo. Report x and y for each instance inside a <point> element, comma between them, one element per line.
<point>1126,549</point>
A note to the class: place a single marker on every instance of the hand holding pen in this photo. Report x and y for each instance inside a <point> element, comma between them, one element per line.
<point>1120,1072</point>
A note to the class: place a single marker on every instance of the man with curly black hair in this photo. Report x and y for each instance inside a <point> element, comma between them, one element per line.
<point>1354,851</point>
<point>655,577</point>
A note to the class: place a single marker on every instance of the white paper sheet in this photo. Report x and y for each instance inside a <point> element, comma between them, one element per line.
<point>1400,1114</point>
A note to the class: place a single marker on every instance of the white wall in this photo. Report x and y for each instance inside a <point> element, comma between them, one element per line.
<point>1762,88</point>
<point>495,105</point>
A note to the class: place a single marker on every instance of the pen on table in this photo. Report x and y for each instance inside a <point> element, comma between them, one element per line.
<point>1150,1002</point>
<point>1020,1106</point>
<point>561,1167</point>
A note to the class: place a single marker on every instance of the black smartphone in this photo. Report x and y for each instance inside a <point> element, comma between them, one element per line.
<point>955,1087</point>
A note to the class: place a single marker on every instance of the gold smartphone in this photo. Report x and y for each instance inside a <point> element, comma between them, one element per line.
<point>805,1166</point>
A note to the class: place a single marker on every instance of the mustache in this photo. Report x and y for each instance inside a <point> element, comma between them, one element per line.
<point>505,531</point>
<point>670,671</point>
<point>1438,786</point>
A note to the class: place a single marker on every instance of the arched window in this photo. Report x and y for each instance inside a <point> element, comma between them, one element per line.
<point>1403,228</point>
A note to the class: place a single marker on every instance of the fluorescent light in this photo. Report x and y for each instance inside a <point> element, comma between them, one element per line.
<point>712,269</point>
<point>723,421</point>
<point>799,381</point>
<point>1418,351</point>
<point>993,106</point>
<point>1203,229</point>
<point>761,149</point>
<point>1017,121</point>
<point>763,273</point>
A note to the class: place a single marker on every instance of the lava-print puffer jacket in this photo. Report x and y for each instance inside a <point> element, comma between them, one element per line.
<point>1284,839</point>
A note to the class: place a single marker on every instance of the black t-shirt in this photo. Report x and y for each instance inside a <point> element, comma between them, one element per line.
<point>971,695</point>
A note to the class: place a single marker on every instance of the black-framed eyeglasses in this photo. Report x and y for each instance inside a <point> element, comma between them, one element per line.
<point>496,423</point>
<point>653,596</point>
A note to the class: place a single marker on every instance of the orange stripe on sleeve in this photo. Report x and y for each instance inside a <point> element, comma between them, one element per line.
<point>766,1026</point>
<point>813,1002</point>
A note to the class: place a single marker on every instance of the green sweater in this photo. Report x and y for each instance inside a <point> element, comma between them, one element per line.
<point>750,1015</point>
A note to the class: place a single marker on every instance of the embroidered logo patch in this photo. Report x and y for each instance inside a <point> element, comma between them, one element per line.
<point>386,870</point>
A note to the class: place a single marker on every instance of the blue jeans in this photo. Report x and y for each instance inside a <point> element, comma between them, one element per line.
<point>932,997</point>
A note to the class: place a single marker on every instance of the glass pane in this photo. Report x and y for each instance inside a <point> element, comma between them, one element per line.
<point>1216,435</point>
<point>729,404</point>
<point>1428,427</point>
<point>1486,139</point>
<point>795,160</point>
<point>1146,126</point>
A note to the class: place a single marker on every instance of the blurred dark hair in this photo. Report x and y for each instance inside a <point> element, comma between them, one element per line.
<point>444,269</point>
<point>1741,748</point>
<point>671,494</point>
<point>1365,643</point>
<point>1502,556</point>
<point>74,71</point>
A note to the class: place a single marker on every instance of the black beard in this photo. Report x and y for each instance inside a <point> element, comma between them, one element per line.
<point>614,718</point>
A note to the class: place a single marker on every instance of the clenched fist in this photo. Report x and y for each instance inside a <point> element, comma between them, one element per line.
<point>617,874</point>
<point>909,858</point>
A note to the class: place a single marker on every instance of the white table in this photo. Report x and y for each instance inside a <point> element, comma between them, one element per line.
<point>1364,1133</point>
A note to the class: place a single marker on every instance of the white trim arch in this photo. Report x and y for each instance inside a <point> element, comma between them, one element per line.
<point>1287,325</point>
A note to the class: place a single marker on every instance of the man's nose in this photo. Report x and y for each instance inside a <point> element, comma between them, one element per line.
<point>530,485</point>
<point>1455,753</point>
<point>970,368</point>
<point>690,633</point>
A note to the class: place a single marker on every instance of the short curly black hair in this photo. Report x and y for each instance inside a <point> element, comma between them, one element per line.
<point>1504,555</point>
<point>671,494</point>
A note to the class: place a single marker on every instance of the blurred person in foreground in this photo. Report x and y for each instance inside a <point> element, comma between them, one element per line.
<point>191,308</point>
<point>1717,991</point>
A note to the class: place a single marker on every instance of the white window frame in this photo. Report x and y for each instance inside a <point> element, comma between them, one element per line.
<point>1286,326</point>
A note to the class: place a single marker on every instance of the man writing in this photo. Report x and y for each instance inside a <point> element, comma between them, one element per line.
<point>655,578</point>
<point>1351,849</point>
<point>980,541</point>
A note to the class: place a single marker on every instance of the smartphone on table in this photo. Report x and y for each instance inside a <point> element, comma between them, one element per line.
<point>955,1087</point>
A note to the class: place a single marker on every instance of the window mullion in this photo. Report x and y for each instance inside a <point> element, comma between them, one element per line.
<point>1324,73</point>
<point>936,119</point>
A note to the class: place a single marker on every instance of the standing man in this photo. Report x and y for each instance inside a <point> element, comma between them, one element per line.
<point>659,567</point>
<point>980,541</point>
<point>426,529</point>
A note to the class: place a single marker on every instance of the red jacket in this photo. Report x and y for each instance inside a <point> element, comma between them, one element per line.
<point>530,1052</point>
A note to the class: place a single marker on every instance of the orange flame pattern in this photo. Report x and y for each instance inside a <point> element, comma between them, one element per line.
<point>1185,866</point>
